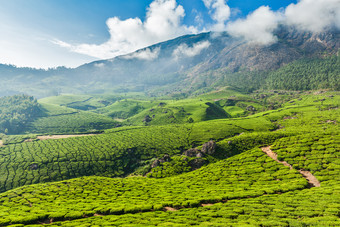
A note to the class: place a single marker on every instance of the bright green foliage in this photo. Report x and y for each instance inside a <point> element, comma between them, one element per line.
<point>64,100</point>
<point>317,153</point>
<point>178,165</point>
<point>168,112</point>
<point>74,123</point>
<point>117,153</point>
<point>126,108</point>
<point>225,149</point>
<point>16,112</point>
<point>111,154</point>
<point>220,129</point>
<point>308,207</point>
<point>12,139</point>
<point>82,102</point>
<point>247,187</point>
<point>250,174</point>
<point>238,144</point>
<point>58,119</point>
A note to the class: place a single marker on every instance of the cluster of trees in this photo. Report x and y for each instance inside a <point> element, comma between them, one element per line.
<point>16,112</point>
<point>304,74</point>
<point>307,74</point>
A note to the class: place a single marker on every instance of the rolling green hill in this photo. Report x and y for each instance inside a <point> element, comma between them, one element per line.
<point>237,135</point>
<point>62,120</point>
<point>238,183</point>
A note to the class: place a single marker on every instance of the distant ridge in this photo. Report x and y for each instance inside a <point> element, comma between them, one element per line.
<point>172,62</point>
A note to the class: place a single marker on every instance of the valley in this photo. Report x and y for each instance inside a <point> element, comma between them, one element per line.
<point>235,133</point>
<point>264,165</point>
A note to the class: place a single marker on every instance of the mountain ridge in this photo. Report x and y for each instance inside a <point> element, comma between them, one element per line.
<point>173,61</point>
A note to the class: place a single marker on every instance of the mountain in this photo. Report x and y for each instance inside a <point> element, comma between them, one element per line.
<point>175,65</point>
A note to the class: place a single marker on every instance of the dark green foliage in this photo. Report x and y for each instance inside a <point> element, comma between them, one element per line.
<point>215,112</point>
<point>307,74</point>
<point>16,112</point>
<point>247,81</point>
<point>304,74</point>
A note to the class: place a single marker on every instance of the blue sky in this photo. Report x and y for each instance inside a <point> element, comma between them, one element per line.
<point>50,33</point>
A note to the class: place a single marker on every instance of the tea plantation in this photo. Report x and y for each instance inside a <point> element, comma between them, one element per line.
<point>110,179</point>
<point>250,174</point>
<point>117,152</point>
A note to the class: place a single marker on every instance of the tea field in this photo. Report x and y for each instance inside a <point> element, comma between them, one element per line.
<point>248,175</point>
<point>117,152</point>
<point>109,179</point>
<point>59,120</point>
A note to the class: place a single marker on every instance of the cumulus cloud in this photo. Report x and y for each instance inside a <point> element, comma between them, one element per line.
<point>314,15</point>
<point>146,54</point>
<point>184,50</point>
<point>163,22</point>
<point>220,13</point>
<point>258,27</point>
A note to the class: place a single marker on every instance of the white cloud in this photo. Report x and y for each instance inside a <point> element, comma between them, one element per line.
<point>314,15</point>
<point>99,65</point>
<point>186,51</point>
<point>258,27</point>
<point>146,54</point>
<point>220,13</point>
<point>163,22</point>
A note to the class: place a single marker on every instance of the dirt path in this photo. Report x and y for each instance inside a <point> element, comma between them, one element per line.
<point>306,174</point>
<point>271,154</point>
<point>206,205</point>
<point>1,143</point>
<point>62,136</point>
<point>169,209</point>
<point>310,177</point>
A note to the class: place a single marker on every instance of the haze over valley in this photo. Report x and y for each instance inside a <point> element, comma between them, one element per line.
<point>170,113</point>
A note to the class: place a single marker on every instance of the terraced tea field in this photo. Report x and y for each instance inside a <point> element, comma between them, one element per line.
<point>248,175</point>
<point>275,168</point>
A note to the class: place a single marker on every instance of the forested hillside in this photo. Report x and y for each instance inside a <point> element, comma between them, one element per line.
<point>226,59</point>
<point>307,74</point>
<point>16,112</point>
<point>300,75</point>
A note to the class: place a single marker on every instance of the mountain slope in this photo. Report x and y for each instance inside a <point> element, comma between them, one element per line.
<point>167,64</point>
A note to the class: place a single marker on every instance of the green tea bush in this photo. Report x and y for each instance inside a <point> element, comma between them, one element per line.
<point>214,183</point>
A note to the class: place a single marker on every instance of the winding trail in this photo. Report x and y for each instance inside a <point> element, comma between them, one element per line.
<point>313,182</point>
